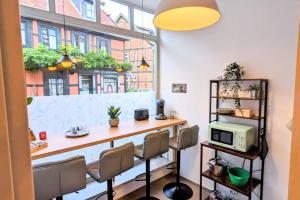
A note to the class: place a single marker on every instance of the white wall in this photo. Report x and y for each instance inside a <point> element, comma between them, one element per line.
<point>260,35</point>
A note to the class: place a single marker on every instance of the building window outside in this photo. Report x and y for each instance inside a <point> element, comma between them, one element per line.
<point>86,84</point>
<point>49,36</point>
<point>110,83</point>
<point>88,9</point>
<point>104,44</point>
<point>56,84</point>
<point>126,57</point>
<point>79,40</point>
<point>25,26</point>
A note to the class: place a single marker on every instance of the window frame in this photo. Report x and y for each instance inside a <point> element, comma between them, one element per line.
<point>94,81</point>
<point>99,40</point>
<point>73,42</point>
<point>84,9</point>
<point>55,75</point>
<point>27,32</point>
<point>57,34</point>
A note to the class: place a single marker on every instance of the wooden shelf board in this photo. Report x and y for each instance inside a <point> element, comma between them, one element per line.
<point>241,98</point>
<point>252,154</point>
<point>226,182</point>
<point>234,116</point>
<point>217,80</point>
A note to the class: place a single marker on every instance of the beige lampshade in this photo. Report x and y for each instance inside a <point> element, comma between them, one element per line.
<point>186,15</point>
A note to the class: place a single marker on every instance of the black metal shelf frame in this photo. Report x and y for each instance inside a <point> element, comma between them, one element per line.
<point>261,134</point>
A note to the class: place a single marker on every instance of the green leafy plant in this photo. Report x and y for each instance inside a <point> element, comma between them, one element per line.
<point>125,66</point>
<point>29,100</point>
<point>94,60</point>
<point>39,58</point>
<point>233,72</point>
<point>114,112</point>
<point>255,87</point>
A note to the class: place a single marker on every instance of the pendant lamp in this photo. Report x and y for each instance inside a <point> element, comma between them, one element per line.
<point>186,15</point>
<point>65,62</point>
<point>143,64</point>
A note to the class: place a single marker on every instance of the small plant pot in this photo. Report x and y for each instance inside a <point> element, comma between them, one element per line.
<point>254,94</point>
<point>114,122</point>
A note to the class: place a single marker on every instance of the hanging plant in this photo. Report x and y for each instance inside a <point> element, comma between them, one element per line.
<point>39,58</point>
<point>232,72</point>
<point>121,67</point>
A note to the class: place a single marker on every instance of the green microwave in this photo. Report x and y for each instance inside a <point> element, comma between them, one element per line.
<point>233,136</point>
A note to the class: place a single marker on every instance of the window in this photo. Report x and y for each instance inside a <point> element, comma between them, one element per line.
<point>79,40</point>
<point>114,14</point>
<point>126,57</point>
<point>49,36</point>
<point>104,44</point>
<point>86,84</point>
<point>56,84</point>
<point>143,22</point>
<point>24,33</point>
<point>88,9</point>
<point>110,83</point>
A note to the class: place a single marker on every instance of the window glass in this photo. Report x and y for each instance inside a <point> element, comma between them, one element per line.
<point>48,36</point>
<point>86,84</point>
<point>104,44</point>
<point>88,9</point>
<point>79,40</point>
<point>55,83</point>
<point>143,22</point>
<point>23,33</point>
<point>114,14</point>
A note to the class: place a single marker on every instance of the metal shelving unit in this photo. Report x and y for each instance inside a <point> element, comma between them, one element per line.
<point>256,152</point>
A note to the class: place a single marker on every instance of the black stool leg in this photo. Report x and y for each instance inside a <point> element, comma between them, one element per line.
<point>110,195</point>
<point>148,191</point>
<point>59,198</point>
<point>177,190</point>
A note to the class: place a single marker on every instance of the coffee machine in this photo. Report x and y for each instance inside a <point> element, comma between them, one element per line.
<point>160,110</point>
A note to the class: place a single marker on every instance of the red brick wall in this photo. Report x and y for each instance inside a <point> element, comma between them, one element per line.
<point>40,4</point>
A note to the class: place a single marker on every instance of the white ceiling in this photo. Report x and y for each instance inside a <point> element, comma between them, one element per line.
<point>149,5</point>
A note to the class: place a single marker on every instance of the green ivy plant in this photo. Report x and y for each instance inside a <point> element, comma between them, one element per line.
<point>42,57</point>
<point>39,58</point>
<point>113,112</point>
<point>233,72</point>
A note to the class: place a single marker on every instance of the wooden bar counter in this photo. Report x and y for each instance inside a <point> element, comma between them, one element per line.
<point>58,143</point>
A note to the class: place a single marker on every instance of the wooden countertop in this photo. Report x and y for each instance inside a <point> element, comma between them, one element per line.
<point>58,143</point>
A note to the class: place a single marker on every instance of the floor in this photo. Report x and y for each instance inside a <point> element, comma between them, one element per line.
<point>156,189</point>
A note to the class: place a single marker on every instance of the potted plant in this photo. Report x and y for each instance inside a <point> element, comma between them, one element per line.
<point>233,72</point>
<point>114,116</point>
<point>31,134</point>
<point>254,90</point>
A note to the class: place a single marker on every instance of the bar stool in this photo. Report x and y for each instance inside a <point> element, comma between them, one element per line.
<point>155,144</point>
<point>55,179</point>
<point>112,162</point>
<point>187,138</point>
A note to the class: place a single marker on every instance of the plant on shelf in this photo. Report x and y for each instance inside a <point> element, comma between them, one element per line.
<point>254,90</point>
<point>114,114</point>
<point>231,88</point>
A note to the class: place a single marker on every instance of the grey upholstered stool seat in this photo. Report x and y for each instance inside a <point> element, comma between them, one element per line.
<point>155,144</point>
<point>55,179</point>
<point>112,162</point>
<point>187,137</point>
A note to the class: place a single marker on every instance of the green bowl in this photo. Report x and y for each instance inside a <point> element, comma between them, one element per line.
<point>238,176</point>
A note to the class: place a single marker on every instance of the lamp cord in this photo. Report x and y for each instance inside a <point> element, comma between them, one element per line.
<point>65,35</point>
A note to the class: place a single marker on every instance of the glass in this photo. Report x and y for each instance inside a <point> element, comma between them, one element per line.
<point>82,9</point>
<point>79,40</point>
<point>114,14</point>
<point>86,84</point>
<point>23,33</point>
<point>143,22</point>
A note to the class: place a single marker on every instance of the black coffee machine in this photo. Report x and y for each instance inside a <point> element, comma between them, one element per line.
<point>160,110</point>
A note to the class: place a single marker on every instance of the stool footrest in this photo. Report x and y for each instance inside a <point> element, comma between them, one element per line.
<point>170,165</point>
<point>104,193</point>
<point>139,177</point>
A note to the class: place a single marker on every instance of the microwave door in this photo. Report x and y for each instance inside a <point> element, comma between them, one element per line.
<point>226,137</point>
<point>223,138</point>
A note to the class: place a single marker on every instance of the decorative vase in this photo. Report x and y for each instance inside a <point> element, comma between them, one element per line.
<point>114,122</point>
<point>254,94</point>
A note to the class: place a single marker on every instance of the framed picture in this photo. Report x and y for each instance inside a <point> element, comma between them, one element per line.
<point>179,88</point>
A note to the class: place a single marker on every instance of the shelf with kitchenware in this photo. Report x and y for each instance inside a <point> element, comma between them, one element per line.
<point>219,116</point>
